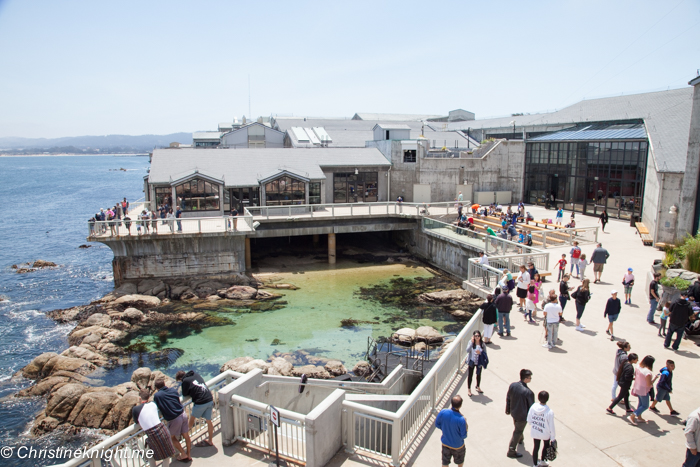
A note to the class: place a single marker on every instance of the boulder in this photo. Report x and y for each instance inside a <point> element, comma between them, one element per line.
<point>683,274</point>
<point>33,370</point>
<point>98,319</point>
<point>146,286</point>
<point>404,336</point>
<point>311,371</point>
<point>155,376</point>
<point>241,292</point>
<point>281,367</point>
<point>264,295</point>
<point>91,339</point>
<point>44,386</point>
<point>460,314</point>
<point>132,315</point>
<point>40,263</point>
<point>62,363</point>
<point>44,425</point>
<point>445,297</point>
<point>420,347</point>
<point>127,387</point>
<point>62,401</point>
<point>77,335</point>
<point>428,334</point>
<point>108,348</point>
<point>141,376</point>
<point>335,368</point>
<point>254,365</point>
<point>361,369</point>
<point>181,291</point>
<point>127,289</point>
<point>121,325</point>
<point>85,354</point>
<point>120,416</point>
<point>235,364</point>
<point>138,301</point>
<point>92,409</point>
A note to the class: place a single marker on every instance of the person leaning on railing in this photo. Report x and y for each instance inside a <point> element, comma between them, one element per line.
<point>157,435</point>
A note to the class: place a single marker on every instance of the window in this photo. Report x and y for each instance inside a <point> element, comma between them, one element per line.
<point>409,155</point>
<point>387,134</point>
<point>164,195</point>
<point>198,195</point>
<point>315,193</point>
<point>285,190</point>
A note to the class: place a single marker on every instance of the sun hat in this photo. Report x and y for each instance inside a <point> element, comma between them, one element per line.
<point>613,292</point>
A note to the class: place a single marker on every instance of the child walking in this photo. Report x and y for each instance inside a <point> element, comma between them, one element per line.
<point>664,387</point>
<point>530,303</point>
<point>663,318</point>
<point>562,267</point>
<point>582,263</point>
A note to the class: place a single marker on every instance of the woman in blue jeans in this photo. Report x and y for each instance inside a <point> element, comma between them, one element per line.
<point>643,383</point>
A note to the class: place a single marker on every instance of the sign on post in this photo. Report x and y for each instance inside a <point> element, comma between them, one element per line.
<point>275,416</point>
<point>275,419</point>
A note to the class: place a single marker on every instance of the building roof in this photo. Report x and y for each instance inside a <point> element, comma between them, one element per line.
<point>206,135</point>
<point>666,116</point>
<point>596,132</point>
<point>355,133</point>
<point>393,117</point>
<point>392,126</point>
<point>246,167</point>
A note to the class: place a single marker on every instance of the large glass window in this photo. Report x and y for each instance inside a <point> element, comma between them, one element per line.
<point>164,195</point>
<point>355,188</point>
<point>285,190</point>
<point>315,193</point>
<point>198,195</point>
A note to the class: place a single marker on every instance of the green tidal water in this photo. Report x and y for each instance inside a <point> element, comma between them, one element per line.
<point>310,321</point>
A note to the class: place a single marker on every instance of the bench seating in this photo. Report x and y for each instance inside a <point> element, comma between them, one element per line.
<point>644,233</point>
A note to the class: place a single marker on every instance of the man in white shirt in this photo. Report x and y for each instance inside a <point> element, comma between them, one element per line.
<point>552,315</point>
<point>522,283</point>
<point>484,261</point>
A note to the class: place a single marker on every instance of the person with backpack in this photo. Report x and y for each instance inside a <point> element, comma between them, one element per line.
<point>541,420</point>
<point>681,314</point>
<point>664,387</point>
<point>623,347</point>
<point>625,377</point>
<point>581,296</point>
<point>489,316</point>
<point>528,238</point>
<point>575,255</point>
<point>476,358</point>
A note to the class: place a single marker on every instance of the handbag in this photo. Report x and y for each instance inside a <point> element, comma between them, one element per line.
<point>550,453</point>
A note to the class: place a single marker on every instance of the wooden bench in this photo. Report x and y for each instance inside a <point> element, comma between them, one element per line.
<point>544,275</point>
<point>644,233</point>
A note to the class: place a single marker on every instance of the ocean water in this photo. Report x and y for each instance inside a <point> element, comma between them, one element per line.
<point>44,206</point>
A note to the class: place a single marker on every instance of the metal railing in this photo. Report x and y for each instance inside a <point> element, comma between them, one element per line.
<point>383,208</point>
<point>390,434</point>
<point>560,237</point>
<point>251,425</point>
<point>127,445</point>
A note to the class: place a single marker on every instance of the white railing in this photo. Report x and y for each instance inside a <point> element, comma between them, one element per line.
<point>356,209</point>
<point>133,439</point>
<point>188,225</point>
<point>252,425</point>
<point>390,434</point>
<point>561,237</point>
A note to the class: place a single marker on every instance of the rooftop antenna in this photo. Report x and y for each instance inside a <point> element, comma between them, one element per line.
<point>249,112</point>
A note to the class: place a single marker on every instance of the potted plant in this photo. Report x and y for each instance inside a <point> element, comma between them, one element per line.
<point>672,288</point>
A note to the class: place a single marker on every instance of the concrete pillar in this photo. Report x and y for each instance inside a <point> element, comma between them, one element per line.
<point>248,262</point>
<point>331,248</point>
<point>315,237</point>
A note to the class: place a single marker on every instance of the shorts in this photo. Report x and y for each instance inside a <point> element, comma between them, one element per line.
<point>628,289</point>
<point>598,267</point>
<point>662,395</point>
<point>613,318</point>
<point>202,410</point>
<point>521,293</point>
<point>457,454</point>
<point>178,426</point>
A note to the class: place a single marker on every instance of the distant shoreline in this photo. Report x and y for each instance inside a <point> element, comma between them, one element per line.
<point>66,155</point>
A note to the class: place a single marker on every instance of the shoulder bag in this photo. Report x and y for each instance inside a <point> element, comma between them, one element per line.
<point>550,453</point>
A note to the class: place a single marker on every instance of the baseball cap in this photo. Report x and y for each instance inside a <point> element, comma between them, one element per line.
<point>613,292</point>
<point>629,269</point>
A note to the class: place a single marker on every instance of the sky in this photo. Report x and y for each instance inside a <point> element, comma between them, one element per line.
<point>73,68</point>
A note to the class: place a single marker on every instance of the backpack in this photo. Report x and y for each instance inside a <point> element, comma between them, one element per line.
<point>529,240</point>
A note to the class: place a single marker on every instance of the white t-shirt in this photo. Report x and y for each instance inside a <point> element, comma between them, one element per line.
<point>475,356</point>
<point>523,280</point>
<point>484,260</point>
<point>148,418</point>
<point>552,310</point>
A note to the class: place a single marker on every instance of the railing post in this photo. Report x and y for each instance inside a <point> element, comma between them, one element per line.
<point>395,442</point>
<point>199,225</point>
<point>571,237</point>
<point>332,210</point>
<point>350,427</point>
<point>369,206</point>
<point>351,209</point>
<point>596,234</point>
<point>544,239</point>
<point>290,210</point>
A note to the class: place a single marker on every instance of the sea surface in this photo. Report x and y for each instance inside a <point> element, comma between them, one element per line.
<point>45,203</point>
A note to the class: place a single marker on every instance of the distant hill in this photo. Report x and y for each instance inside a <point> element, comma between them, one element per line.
<point>91,144</point>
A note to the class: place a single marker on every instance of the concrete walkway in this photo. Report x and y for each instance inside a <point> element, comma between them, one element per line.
<point>578,376</point>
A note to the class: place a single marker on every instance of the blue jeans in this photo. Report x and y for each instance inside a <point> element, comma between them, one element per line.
<point>653,303</point>
<point>562,302</point>
<point>503,318</point>
<point>669,335</point>
<point>691,460</point>
<point>642,405</point>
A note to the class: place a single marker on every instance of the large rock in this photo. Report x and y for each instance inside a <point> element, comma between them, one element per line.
<point>404,336</point>
<point>335,368</point>
<point>33,370</point>
<point>132,315</point>
<point>141,377</point>
<point>361,369</point>
<point>61,363</point>
<point>311,371</point>
<point>40,263</point>
<point>120,416</point>
<point>146,286</point>
<point>138,301</point>
<point>85,354</point>
<point>235,364</point>
<point>92,409</point>
<point>445,297</point>
<point>155,376</point>
<point>241,292</point>
<point>63,401</point>
<point>182,292</point>
<point>44,425</point>
<point>44,386</point>
<point>127,289</point>
<point>428,334</point>
<point>98,319</point>
<point>683,274</point>
<point>281,367</point>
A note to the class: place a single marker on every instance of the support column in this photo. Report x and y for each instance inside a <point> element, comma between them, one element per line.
<point>315,237</point>
<point>331,248</point>
<point>248,262</point>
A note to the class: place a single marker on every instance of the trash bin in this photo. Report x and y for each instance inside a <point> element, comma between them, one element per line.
<point>633,220</point>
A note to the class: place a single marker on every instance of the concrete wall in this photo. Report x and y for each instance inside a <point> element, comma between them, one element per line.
<point>501,169</point>
<point>443,253</point>
<point>179,256</point>
<point>670,193</point>
<point>687,207</point>
<point>324,430</point>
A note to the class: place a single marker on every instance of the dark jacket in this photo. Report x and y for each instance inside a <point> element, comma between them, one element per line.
<point>504,303</point>
<point>582,295</point>
<point>193,385</point>
<point>665,380</point>
<point>518,401</point>
<point>600,255</point>
<point>613,307</point>
<point>681,311</point>
<point>168,402</point>
<point>564,289</point>
<point>626,375</point>
<point>490,313</point>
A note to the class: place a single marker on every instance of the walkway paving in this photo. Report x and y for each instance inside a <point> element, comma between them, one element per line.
<point>578,376</point>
